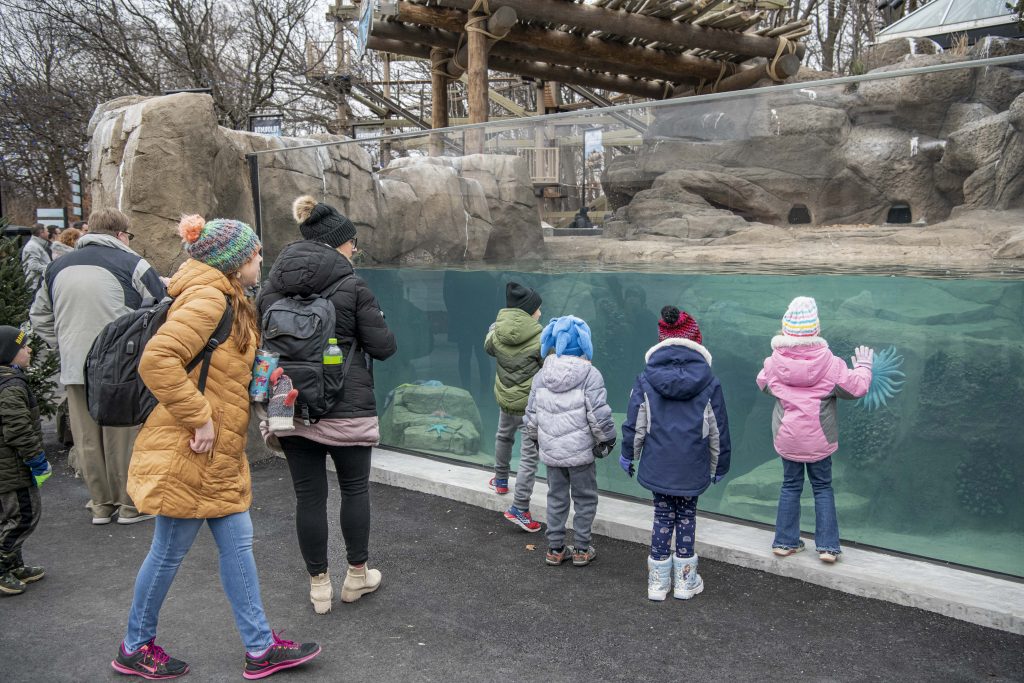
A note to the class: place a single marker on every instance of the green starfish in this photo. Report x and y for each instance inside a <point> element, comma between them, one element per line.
<point>440,429</point>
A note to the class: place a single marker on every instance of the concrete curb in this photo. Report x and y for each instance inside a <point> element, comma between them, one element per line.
<point>976,598</point>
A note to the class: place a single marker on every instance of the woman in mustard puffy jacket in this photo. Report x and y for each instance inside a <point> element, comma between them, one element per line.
<point>189,465</point>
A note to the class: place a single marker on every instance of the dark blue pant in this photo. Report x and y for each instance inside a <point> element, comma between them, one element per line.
<point>676,514</point>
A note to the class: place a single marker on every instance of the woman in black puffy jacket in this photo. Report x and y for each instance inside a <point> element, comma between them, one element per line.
<point>314,266</point>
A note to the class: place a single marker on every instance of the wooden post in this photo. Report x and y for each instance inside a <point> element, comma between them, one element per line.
<point>476,83</point>
<point>439,99</point>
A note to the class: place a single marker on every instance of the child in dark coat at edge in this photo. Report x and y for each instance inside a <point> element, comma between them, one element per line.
<point>677,425</point>
<point>23,465</point>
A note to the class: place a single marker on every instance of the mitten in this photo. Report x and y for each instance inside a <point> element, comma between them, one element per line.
<point>863,356</point>
<point>41,470</point>
<point>626,464</point>
<point>604,448</point>
<point>281,407</point>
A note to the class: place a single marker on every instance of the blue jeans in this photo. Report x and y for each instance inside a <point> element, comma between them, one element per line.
<point>172,539</point>
<point>826,524</point>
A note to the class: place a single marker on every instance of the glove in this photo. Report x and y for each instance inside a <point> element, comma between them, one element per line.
<point>604,448</point>
<point>281,406</point>
<point>626,464</point>
<point>41,470</point>
<point>863,356</point>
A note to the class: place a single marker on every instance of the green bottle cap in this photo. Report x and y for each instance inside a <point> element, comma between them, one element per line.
<point>332,340</point>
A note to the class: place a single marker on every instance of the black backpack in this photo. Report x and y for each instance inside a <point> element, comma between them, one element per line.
<point>298,329</point>
<point>115,394</point>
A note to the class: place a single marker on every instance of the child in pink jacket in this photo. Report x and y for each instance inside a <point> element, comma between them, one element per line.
<point>806,379</point>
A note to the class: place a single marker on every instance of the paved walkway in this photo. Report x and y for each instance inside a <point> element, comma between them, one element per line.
<point>465,599</point>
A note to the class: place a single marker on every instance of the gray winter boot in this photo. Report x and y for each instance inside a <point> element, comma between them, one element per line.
<point>659,578</point>
<point>687,580</point>
<point>9,583</point>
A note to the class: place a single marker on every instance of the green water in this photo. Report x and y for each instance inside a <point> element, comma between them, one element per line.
<point>935,472</point>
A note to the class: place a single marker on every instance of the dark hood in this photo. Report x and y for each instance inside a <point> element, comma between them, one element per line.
<point>678,372</point>
<point>306,267</point>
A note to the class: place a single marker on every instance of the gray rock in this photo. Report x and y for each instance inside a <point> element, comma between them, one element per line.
<point>432,214</point>
<point>996,46</point>
<point>516,232</point>
<point>977,144</point>
<point>998,86</point>
<point>896,51</point>
<point>1015,113</point>
<point>1011,248</point>
<point>157,158</point>
<point>961,114</point>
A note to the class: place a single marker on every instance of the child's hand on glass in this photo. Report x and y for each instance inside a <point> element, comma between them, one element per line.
<point>863,356</point>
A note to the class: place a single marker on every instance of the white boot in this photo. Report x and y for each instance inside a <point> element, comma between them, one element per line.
<point>321,592</point>
<point>659,578</point>
<point>358,582</point>
<point>688,581</point>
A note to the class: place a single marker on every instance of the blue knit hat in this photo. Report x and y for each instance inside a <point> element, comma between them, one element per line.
<point>223,243</point>
<point>568,336</point>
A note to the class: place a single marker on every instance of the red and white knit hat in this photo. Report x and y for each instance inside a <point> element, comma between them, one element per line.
<point>801,319</point>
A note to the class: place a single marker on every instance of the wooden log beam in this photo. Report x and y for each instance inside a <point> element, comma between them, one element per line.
<point>450,40</point>
<point>560,47</point>
<point>594,18</point>
<point>787,66</point>
<point>499,24</point>
<point>548,72</point>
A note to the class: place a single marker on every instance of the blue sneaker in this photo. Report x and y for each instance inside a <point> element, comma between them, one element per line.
<point>522,519</point>
<point>499,486</point>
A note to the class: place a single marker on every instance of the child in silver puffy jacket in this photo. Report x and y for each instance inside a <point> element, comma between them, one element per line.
<point>569,419</point>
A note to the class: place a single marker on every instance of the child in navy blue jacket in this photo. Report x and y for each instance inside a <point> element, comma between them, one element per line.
<point>677,425</point>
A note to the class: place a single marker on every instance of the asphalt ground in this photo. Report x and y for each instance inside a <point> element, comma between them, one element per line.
<point>466,596</point>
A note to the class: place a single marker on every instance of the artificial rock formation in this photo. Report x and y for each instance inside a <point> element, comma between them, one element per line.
<point>919,145</point>
<point>158,158</point>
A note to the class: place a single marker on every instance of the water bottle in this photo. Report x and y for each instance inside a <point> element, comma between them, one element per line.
<point>332,354</point>
<point>264,365</point>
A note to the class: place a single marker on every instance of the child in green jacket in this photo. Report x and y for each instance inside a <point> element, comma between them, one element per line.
<point>514,339</point>
<point>23,465</point>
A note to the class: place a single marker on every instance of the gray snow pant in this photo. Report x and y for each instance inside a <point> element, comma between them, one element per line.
<point>580,482</point>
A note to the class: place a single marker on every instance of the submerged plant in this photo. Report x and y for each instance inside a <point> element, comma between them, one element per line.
<point>886,379</point>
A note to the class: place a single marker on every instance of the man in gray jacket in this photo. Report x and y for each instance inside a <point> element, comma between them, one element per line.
<point>36,256</point>
<point>569,419</point>
<point>101,280</point>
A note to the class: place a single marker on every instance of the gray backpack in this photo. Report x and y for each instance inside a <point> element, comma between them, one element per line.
<point>298,328</point>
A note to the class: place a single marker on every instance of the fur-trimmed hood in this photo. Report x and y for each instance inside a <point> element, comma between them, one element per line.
<point>801,361</point>
<point>678,368</point>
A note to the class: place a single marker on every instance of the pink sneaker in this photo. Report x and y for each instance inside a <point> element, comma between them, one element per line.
<point>283,654</point>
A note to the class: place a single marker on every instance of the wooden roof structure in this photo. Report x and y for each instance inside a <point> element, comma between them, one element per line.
<point>655,49</point>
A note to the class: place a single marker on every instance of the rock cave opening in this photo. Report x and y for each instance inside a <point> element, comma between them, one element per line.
<point>799,215</point>
<point>899,212</point>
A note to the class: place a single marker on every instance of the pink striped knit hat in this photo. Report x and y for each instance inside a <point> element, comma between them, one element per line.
<point>801,319</point>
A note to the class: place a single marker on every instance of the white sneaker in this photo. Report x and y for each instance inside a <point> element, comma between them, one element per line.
<point>321,592</point>
<point>130,520</point>
<point>687,580</point>
<point>659,578</point>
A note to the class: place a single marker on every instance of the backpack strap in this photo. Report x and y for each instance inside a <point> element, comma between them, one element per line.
<point>219,336</point>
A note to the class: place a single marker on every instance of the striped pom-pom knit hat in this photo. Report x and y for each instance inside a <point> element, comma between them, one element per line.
<point>222,243</point>
<point>801,319</point>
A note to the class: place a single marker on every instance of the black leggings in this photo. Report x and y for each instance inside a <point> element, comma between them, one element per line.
<point>309,477</point>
